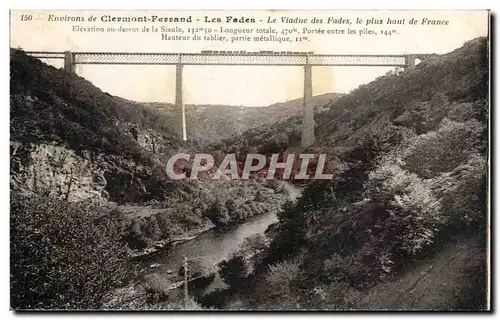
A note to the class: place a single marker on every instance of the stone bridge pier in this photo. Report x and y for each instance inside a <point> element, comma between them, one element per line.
<point>180,108</point>
<point>69,62</point>
<point>412,58</point>
<point>307,136</point>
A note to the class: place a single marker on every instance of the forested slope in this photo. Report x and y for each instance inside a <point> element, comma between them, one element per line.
<point>411,161</point>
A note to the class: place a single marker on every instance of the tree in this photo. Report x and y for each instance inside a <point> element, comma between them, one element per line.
<point>290,233</point>
<point>218,213</point>
<point>61,258</point>
<point>233,271</point>
<point>135,237</point>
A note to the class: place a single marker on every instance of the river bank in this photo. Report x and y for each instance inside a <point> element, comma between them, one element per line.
<point>160,268</point>
<point>168,244</point>
<point>212,239</point>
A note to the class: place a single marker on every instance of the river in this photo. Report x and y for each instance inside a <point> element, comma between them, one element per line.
<point>211,247</point>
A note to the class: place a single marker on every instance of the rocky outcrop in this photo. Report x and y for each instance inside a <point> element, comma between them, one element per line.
<point>149,139</point>
<point>55,171</point>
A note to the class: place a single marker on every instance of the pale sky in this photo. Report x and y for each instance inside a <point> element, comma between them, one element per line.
<point>241,85</point>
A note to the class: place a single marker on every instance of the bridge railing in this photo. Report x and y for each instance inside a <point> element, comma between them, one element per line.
<point>46,55</point>
<point>126,58</point>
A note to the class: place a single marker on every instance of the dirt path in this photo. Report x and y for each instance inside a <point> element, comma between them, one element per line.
<point>430,285</point>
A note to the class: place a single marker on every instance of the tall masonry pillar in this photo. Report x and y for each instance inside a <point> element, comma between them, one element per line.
<point>69,62</point>
<point>307,138</point>
<point>179,103</point>
<point>410,61</point>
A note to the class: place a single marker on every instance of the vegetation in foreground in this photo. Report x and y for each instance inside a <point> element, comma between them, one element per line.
<point>62,256</point>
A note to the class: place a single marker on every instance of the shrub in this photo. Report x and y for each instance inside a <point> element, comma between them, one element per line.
<point>134,238</point>
<point>290,233</point>
<point>233,271</point>
<point>463,191</point>
<point>196,269</point>
<point>389,179</point>
<point>217,298</point>
<point>282,274</point>
<point>419,211</point>
<point>156,288</point>
<point>253,244</point>
<point>61,258</point>
<point>443,150</point>
<point>253,250</point>
<point>190,304</point>
<point>280,289</point>
<point>334,296</point>
<point>413,214</point>
<point>218,213</point>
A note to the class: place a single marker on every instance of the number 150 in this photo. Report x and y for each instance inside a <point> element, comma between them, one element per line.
<point>26,17</point>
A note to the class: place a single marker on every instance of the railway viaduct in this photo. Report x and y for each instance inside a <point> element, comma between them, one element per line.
<point>306,60</point>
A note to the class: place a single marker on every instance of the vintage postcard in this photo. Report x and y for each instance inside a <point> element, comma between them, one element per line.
<point>250,160</point>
